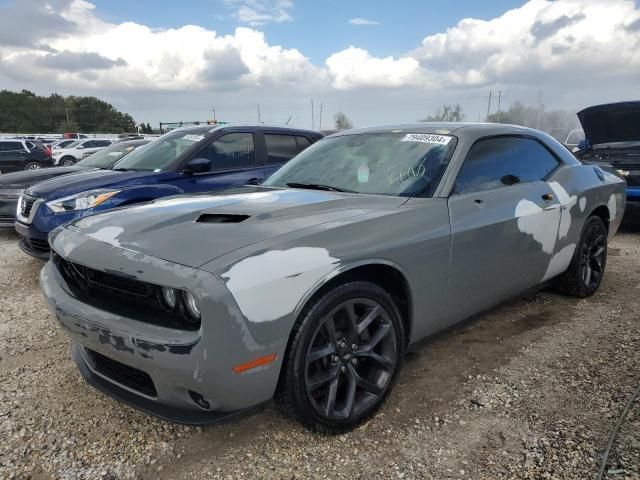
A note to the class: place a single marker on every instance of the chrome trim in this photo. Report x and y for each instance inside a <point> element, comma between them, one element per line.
<point>32,213</point>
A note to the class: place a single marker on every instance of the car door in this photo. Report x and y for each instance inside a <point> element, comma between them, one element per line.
<point>504,221</point>
<point>12,156</point>
<point>280,148</point>
<point>233,164</point>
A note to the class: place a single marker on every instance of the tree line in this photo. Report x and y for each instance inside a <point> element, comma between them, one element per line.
<point>26,112</point>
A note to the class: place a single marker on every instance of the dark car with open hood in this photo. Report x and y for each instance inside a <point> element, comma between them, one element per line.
<point>612,136</point>
<point>12,185</point>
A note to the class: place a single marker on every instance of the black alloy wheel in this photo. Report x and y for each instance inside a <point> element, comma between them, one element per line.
<point>584,275</point>
<point>351,359</point>
<point>343,358</point>
<point>593,252</point>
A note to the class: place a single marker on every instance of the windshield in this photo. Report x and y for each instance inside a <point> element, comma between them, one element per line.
<point>400,164</point>
<point>161,152</point>
<point>107,156</point>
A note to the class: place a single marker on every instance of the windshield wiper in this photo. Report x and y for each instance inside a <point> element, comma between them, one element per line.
<point>124,169</point>
<point>318,186</point>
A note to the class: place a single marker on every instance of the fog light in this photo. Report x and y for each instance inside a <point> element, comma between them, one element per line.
<point>199,400</point>
<point>192,305</point>
<point>169,297</point>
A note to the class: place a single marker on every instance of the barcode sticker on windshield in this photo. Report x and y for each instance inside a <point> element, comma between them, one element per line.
<point>427,138</point>
<point>193,138</point>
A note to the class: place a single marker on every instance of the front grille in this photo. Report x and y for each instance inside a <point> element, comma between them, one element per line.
<point>27,205</point>
<point>123,374</point>
<point>39,245</point>
<point>6,218</point>
<point>121,295</point>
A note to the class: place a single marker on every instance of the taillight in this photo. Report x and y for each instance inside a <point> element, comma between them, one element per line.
<point>47,150</point>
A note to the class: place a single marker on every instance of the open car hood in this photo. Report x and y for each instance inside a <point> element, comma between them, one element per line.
<point>611,123</point>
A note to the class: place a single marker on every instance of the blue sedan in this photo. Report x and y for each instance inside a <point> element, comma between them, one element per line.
<point>188,160</point>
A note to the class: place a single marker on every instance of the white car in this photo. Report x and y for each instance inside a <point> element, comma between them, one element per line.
<point>76,151</point>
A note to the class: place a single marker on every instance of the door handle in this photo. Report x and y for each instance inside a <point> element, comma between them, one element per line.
<point>478,202</point>
<point>547,197</point>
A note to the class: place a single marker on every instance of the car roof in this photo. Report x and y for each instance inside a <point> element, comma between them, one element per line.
<point>131,143</point>
<point>444,128</point>
<point>258,127</point>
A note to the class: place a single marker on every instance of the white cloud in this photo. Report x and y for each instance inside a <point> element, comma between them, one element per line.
<point>567,48</point>
<point>259,12</point>
<point>158,59</point>
<point>362,21</point>
<point>355,67</point>
<point>542,39</point>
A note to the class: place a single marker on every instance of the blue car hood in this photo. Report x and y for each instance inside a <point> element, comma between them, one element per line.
<point>90,180</point>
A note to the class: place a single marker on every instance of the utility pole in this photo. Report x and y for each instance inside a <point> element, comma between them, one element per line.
<point>313,120</point>
<point>540,108</point>
<point>320,121</point>
<point>214,115</point>
<point>259,119</point>
<point>499,98</point>
<point>489,106</point>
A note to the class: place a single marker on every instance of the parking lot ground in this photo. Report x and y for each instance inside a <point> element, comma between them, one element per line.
<point>530,389</point>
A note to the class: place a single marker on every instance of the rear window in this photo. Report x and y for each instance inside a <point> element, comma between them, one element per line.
<point>280,148</point>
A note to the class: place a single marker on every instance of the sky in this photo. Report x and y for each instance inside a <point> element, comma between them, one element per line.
<point>377,61</point>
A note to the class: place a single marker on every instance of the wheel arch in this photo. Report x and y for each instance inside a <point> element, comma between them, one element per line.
<point>387,275</point>
<point>602,211</point>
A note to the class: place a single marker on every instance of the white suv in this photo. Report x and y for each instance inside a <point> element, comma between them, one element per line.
<point>78,150</point>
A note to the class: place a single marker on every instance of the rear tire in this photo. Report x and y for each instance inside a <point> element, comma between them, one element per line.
<point>67,161</point>
<point>343,358</point>
<point>32,166</point>
<point>584,275</point>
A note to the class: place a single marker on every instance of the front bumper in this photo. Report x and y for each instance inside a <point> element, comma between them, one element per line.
<point>632,210</point>
<point>175,363</point>
<point>8,211</point>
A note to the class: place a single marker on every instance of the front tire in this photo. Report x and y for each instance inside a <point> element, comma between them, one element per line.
<point>584,275</point>
<point>67,162</point>
<point>343,358</point>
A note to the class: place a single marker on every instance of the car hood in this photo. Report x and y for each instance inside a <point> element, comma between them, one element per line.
<point>193,230</point>
<point>87,180</point>
<point>611,123</point>
<point>30,177</point>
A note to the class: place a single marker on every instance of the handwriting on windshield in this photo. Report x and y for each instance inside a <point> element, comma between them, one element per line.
<point>396,178</point>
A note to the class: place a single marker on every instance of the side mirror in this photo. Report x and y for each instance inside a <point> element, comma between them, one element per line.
<point>80,147</point>
<point>197,165</point>
<point>582,145</point>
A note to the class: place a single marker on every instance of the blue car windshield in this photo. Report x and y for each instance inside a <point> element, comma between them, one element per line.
<point>159,154</point>
<point>401,164</point>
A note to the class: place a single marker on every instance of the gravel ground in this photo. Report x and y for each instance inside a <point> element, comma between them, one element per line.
<point>528,390</point>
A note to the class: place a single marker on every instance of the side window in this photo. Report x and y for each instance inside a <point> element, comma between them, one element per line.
<point>280,148</point>
<point>89,144</point>
<point>4,146</point>
<point>13,147</point>
<point>233,150</point>
<point>503,161</point>
<point>303,142</point>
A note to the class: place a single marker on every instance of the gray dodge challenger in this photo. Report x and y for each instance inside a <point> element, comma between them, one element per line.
<point>310,287</point>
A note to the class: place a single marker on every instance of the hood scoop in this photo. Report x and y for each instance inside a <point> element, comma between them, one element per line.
<point>221,218</point>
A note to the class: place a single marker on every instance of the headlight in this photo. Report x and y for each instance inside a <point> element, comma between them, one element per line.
<point>81,201</point>
<point>192,305</point>
<point>624,173</point>
<point>169,297</point>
